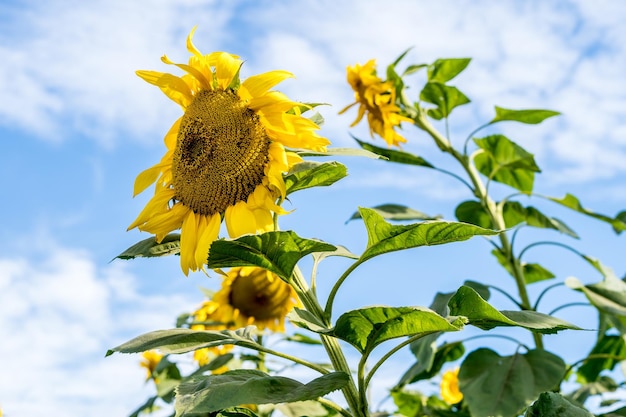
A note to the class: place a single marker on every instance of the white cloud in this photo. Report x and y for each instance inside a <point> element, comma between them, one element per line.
<point>59,313</point>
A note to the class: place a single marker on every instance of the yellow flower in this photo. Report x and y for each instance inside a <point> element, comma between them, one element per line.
<point>252,295</point>
<point>150,361</point>
<point>377,98</point>
<point>208,317</point>
<point>450,392</point>
<point>225,156</point>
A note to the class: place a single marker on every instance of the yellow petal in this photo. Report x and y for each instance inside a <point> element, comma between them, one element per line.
<point>257,85</point>
<point>188,242</point>
<point>147,177</point>
<point>226,68</point>
<point>163,223</point>
<point>157,204</point>
<point>172,135</point>
<point>207,233</point>
<point>192,71</point>
<point>172,86</point>
<point>190,46</point>
<point>239,220</point>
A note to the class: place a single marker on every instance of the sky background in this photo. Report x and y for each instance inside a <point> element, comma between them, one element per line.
<point>77,125</point>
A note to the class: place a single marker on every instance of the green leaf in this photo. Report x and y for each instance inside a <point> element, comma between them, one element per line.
<point>302,408</point>
<point>603,385</point>
<point>149,248</point>
<point>309,174</point>
<point>445,97</point>
<point>384,237</point>
<point>473,212</point>
<point>494,385</point>
<point>504,161</point>
<point>443,70</point>
<point>166,377</point>
<point>571,202</point>
<point>146,407</point>
<point>411,69</point>
<point>532,117</point>
<point>338,152</point>
<point>430,359</point>
<point>553,404</point>
<point>608,296</point>
<point>307,320</point>
<point>467,302</point>
<point>302,338</point>
<point>393,155</point>
<point>612,347</point>
<point>186,340</point>
<point>235,412</point>
<point>205,394</point>
<point>535,273</point>
<point>396,212</point>
<point>535,218</point>
<point>278,252</point>
<point>409,403</point>
<point>368,327</point>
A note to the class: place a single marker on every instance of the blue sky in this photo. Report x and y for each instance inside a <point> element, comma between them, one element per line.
<point>77,125</point>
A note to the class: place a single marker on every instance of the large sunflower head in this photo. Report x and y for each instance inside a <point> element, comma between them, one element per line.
<point>377,99</point>
<point>252,295</point>
<point>225,155</point>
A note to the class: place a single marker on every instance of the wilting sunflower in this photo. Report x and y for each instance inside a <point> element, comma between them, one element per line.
<point>225,156</point>
<point>450,392</point>
<point>252,295</point>
<point>377,98</point>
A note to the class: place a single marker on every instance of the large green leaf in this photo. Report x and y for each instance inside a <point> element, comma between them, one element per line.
<point>571,202</point>
<point>553,404</point>
<point>608,295</point>
<point>396,212</point>
<point>393,155</point>
<point>501,386</point>
<point>368,327</point>
<point>468,303</point>
<point>504,161</point>
<point>278,252</point>
<point>601,386</point>
<point>515,213</point>
<point>186,340</point>
<point>149,248</point>
<point>443,70</point>
<point>205,394</point>
<point>445,97</point>
<point>529,116</point>
<point>473,212</point>
<point>611,350</point>
<point>309,174</point>
<point>384,237</point>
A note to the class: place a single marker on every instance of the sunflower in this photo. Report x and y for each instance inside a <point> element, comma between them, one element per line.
<point>450,392</point>
<point>252,295</point>
<point>377,98</point>
<point>225,155</point>
<point>151,359</point>
<point>208,317</point>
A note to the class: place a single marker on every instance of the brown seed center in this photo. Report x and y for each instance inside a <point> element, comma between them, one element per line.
<point>256,296</point>
<point>221,153</point>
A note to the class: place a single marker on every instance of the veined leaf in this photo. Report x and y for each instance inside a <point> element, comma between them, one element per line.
<point>278,252</point>
<point>186,340</point>
<point>338,152</point>
<point>495,385</point>
<point>443,70</point>
<point>504,161</point>
<point>608,295</point>
<point>553,404</point>
<point>309,174</point>
<point>613,348</point>
<point>445,97</point>
<point>205,394</point>
<point>393,155</point>
<point>571,202</point>
<point>473,212</point>
<point>384,237</point>
<point>532,117</point>
<point>396,212</point>
<point>368,327</point>
<point>468,303</point>
<point>149,248</point>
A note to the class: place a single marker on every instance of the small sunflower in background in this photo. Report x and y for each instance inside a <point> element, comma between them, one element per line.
<point>450,392</point>
<point>225,155</point>
<point>208,317</point>
<point>150,361</point>
<point>377,99</point>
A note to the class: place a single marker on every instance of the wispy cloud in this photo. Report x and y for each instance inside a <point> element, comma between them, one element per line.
<point>59,313</point>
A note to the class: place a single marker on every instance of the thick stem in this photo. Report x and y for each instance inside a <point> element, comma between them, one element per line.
<point>495,213</point>
<point>330,343</point>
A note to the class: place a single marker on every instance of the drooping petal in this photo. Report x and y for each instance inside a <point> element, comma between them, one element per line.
<point>172,86</point>
<point>239,220</point>
<point>257,85</point>
<point>147,177</point>
<point>188,242</point>
<point>207,232</point>
<point>157,204</point>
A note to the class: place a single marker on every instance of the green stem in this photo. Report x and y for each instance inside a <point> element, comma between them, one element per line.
<point>328,310</point>
<point>331,344</point>
<point>490,206</point>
